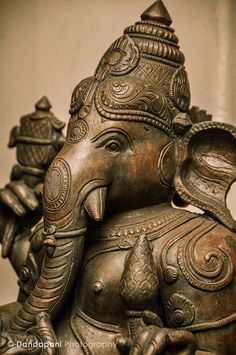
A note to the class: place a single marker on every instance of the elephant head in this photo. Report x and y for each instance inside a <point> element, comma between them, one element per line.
<point>130,143</point>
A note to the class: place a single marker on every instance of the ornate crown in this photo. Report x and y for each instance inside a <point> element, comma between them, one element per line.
<point>141,77</point>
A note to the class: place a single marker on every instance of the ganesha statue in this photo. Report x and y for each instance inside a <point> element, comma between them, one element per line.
<point>118,264</point>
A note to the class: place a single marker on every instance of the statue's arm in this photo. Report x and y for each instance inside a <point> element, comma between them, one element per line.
<point>37,140</point>
<point>20,209</point>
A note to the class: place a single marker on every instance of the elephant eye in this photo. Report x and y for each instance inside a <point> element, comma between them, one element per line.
<point>113,147</point>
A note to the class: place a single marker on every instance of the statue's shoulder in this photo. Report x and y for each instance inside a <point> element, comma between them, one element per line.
<point>179,225</point>
<point>196,265</point>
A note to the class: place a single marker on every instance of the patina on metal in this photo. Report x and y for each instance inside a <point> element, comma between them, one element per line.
<point>115,261</point>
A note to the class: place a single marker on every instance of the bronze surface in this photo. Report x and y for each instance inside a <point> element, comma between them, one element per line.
<point>107,261</point>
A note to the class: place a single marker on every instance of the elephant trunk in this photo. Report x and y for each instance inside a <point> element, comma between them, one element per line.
<point>67,195</point>
<point>59,270</point>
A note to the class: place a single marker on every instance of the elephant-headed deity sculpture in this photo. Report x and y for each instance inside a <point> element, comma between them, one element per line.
<point>119,267</point>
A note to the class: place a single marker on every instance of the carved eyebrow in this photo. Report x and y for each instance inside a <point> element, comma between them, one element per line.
<point>113,130</point>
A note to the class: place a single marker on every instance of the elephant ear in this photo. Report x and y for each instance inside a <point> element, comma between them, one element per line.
<point>206,168</point>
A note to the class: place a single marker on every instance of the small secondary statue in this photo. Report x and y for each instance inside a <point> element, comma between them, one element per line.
<point>113,268</point>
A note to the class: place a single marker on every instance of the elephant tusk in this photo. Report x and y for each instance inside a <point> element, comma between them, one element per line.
<point>95,202</point>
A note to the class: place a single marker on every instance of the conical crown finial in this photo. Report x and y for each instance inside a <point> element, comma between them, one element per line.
<point>157,12</point>
<point>43,104</point>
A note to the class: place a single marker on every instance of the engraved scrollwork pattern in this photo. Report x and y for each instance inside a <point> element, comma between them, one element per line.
<point>170,272</point>
<point>120,58</point>
<point>213,273</point>
<point>126,99</point>
<point>57,189</point>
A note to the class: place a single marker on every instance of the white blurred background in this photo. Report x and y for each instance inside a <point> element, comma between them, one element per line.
<point>48,46</point>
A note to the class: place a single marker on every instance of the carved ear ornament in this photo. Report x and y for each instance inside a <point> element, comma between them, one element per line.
<point>206,168</point>
<point>79,97</point>
<point>181,123</point>
<point>121,58</point>
<point>180,89</point>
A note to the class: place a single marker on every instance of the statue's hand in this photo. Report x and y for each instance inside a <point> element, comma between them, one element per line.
<point>154,340</point>
<point>39,340</point>
<point>20,200</point>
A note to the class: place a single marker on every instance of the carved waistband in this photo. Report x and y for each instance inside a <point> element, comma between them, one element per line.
<point>193,328</point>
<point>97,324</point>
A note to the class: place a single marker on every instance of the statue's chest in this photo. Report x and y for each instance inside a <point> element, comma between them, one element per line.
<point>104,294</point>
<point>98,294</point>
<point>118,279</point>
<point>193,267</point>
